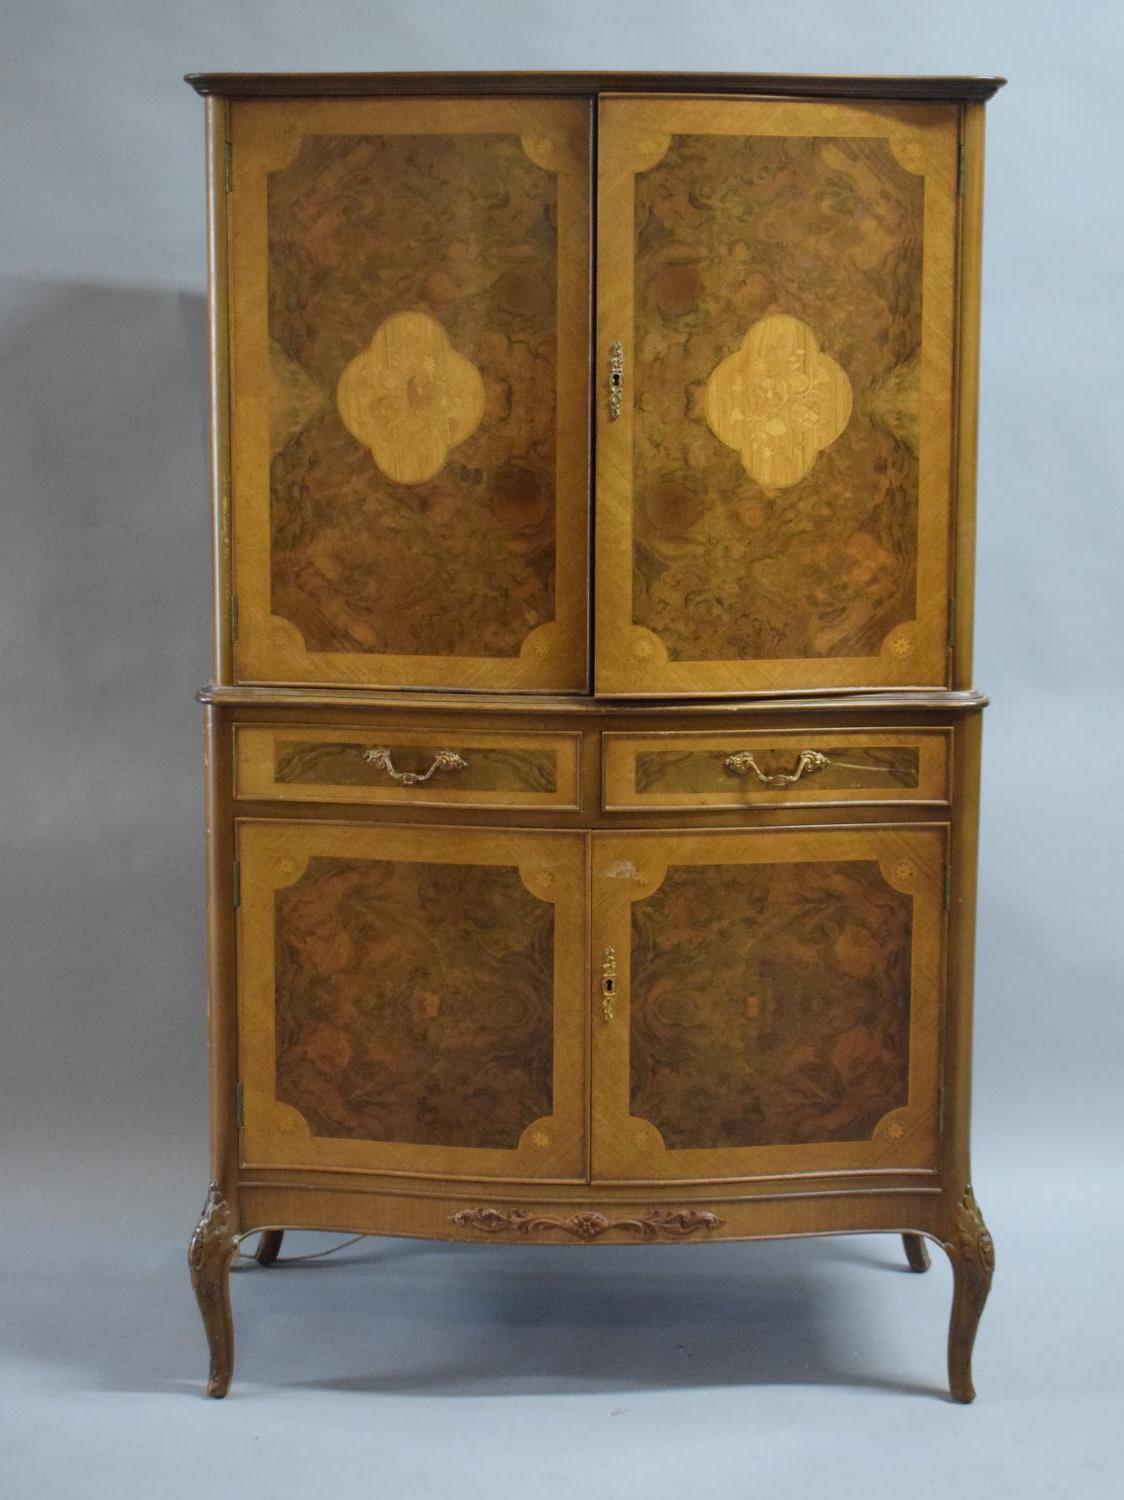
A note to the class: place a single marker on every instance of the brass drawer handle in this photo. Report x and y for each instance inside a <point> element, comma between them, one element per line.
<point>608,983</point>
<point>445,760</point>
<point>616,379</point>
<point>810,761</point>
<point>742,762</point>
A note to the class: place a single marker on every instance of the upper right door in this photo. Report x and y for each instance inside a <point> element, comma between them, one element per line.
<point>776,345</point>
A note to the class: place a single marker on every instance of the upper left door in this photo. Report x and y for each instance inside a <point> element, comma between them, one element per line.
<point>409,304</point>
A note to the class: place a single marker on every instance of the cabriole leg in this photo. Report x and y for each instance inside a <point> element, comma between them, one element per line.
<point>269,1246</point>
<point>916,1252</point>
<point>972,1253</point>
<point>209,1257</point>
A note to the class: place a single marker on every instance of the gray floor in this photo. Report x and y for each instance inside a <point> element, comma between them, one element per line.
<point>431,1370</point>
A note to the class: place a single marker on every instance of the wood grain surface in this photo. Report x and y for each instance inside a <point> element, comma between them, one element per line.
<point>339,764</point>
<point>410,315</point>
<point>377,1042</point>
<point>799,1031</point>
<point>698,773</point>
<point>778,1005</point>
<point>405,1011</point>
<point>412,999</point>
<point>773,503</point>
<point>681,769</point>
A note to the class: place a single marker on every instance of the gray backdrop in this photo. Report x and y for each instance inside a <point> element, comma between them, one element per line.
<point>449,1370</point>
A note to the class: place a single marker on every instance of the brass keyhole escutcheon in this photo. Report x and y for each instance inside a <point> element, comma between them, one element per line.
<point>608,983</point>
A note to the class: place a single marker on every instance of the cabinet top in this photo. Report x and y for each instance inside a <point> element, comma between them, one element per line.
<point>908,700</point>
<point>821,86</point>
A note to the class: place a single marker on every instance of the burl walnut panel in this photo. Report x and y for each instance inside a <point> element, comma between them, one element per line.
<point>414,1002</point>
<point>451,766</point>
<point>678,769</point>
<point>779,547</point>
<point>413,360</point>
<point>335,763</point>
<point>850,768</point>
<point>774,494</point>
<point>796,1028</point>
<point>452,554</point>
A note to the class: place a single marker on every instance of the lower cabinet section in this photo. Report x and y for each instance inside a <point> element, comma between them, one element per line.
<point>723,1005</point>
<point>413,1000</point>
<point>770,1002</point>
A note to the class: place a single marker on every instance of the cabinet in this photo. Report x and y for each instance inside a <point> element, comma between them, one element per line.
<point>592,751</point>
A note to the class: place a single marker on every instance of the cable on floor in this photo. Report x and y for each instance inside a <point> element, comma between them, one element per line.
<point>292,1260</point>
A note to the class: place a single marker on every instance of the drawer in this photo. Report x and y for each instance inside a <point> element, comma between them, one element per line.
<point>650,772</point>
<point>425,767</point>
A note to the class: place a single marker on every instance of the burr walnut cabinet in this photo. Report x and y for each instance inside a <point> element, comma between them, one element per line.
<point>592,751</point>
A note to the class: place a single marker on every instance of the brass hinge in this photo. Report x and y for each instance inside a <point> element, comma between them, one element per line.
<point>234,617</point>
<point>960,169</point>
<point>239,1107</point>
<point>940,1107</point>
<point>237,892</point>
<point>228,167</point>
<point>947,886</point>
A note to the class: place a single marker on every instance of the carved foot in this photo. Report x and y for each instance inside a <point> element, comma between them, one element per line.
<point>916,1252</point>
<point>269,1246</point>
<point>209,1258</point>
<point>972,1253</point>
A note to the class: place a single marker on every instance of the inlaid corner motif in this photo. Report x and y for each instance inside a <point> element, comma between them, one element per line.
<point>409,397</point>
<point>778,401</point>
<point>414,1002</point>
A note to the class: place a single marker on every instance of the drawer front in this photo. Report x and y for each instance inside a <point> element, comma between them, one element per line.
<point>426,767</point>
<point>650,772</point>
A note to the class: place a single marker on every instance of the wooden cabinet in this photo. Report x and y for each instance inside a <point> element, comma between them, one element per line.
<point>565,894</point>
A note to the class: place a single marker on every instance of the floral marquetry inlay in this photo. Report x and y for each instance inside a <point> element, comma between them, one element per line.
<point>778,400</point>
<point>409,397</point>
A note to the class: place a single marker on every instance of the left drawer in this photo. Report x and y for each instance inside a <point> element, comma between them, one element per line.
<point>453,767</point>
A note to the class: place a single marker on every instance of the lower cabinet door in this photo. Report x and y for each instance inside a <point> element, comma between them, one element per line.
<point>413,1000</point>
<point>770,1002</point>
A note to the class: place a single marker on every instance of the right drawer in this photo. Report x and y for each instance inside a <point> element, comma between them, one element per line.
<point>657,771</point>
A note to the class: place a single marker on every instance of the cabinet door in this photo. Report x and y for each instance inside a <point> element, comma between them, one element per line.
<point>776,293</point>
<point>770,1004</point>
<point>410,397</point>
<point>412,1000</point>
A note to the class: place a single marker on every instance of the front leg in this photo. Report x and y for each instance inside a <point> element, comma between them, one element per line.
<point>972,1253</point>
<point>209,1258</point>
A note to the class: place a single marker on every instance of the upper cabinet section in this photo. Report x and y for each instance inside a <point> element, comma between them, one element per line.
<point>760,305</point>
<point>409,324</point>
<point>776,336</point>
